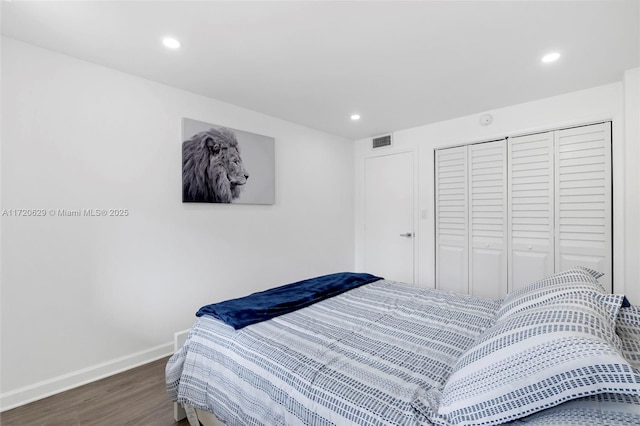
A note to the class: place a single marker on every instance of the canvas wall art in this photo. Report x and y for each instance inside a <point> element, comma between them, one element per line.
<point>225,165</point>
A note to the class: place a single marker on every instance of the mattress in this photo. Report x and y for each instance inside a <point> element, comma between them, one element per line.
<point>357,358</point>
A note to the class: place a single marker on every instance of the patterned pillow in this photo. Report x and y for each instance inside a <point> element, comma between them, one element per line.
<point>593,273</point>
<point>595,410</point>
<point>628,328</point>
<point>575,280</point>
<point>534,359</point>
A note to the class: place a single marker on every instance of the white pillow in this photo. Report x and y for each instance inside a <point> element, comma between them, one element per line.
<point>628,328</point>
<point>595,274</point>
<point>575,280</point>
<point>595,410</point>
<point>535,359</point>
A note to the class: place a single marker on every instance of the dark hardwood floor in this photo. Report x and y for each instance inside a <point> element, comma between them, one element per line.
<point>135,397</point>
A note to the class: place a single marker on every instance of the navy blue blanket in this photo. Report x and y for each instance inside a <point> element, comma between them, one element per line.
<point>277,301</point>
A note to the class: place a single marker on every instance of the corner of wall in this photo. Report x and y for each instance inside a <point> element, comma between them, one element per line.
<point>631,285</point>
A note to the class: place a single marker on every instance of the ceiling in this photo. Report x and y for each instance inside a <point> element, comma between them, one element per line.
<point>398,64</point>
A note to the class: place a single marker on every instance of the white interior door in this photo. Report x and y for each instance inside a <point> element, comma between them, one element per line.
<point>488,219</point>
<point>389,217</point>
<point>531,208</point>
<point>583,199</point>
<point>452,214</point>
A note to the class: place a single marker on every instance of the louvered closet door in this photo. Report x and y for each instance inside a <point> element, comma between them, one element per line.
<point>531,211</point>
<point>451,219</point>
<point>583,199</point>
<point>488,219</point>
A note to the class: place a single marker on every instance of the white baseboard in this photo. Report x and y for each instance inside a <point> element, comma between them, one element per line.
<point>45,388</point>
<point>179,338</point>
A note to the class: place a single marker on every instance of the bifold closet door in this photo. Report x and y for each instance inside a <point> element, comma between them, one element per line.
<point>512,212</point>
<point>531,208</point>
<point>488,219</point>
<point>583,199</point>
<point>452,246</point>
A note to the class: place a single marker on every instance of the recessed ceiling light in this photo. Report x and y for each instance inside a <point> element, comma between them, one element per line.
<point>355,117</point>
<point>550,57</point>
<point>171,43</point>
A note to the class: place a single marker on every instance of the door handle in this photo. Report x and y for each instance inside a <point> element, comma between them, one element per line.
<point>408,235</point>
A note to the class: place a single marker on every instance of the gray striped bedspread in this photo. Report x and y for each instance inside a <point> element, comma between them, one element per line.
<point>360,358</point>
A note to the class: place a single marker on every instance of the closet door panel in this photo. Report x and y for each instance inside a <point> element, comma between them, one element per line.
<point>528,266</point>
<point>488,219</point>
<point>452,266</point>
<point>452,246</point>
<point>583,199</point>
<point>531,211</point>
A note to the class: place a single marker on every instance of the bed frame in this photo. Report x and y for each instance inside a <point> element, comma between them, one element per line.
<point>208,419</point>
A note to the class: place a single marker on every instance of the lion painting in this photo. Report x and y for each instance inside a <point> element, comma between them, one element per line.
<point>212,170</point>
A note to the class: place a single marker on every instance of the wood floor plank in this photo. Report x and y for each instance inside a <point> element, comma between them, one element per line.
<point>134,398</point>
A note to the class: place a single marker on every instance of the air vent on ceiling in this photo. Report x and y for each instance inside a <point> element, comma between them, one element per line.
<point>381,141</point>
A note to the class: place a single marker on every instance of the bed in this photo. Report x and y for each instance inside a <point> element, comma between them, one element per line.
<point>560,351</point>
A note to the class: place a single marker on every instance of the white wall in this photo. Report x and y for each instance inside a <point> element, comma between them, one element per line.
<point>617,102</point>
<point>632,182</point>
<point>86,296</point>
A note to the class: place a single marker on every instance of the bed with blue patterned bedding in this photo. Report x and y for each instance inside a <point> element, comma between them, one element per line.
<point>375,355</point>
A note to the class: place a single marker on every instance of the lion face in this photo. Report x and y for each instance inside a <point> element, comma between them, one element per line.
<point>226,161</point>
<point>236,173</point>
